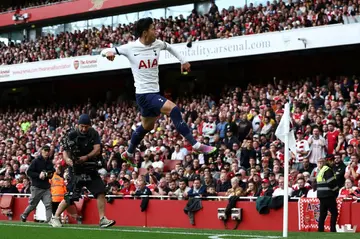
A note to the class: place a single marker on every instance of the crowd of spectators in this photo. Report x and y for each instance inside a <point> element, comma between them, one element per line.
<point>240,122</point>
<point>6,6</point>
<point>225,23</point>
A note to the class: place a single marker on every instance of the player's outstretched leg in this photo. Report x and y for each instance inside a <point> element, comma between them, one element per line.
<point>184,130</point>
<point>136,138</point>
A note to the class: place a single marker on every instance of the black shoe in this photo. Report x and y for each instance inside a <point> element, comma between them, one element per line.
<point>23,218</point>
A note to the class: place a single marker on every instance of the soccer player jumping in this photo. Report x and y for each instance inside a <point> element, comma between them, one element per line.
<point>143,55</point>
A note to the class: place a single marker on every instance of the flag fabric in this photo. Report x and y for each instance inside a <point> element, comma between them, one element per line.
<point>284,129</point>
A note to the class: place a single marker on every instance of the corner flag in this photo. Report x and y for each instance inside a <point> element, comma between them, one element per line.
<point>284,129</point>
<point>286,136</point>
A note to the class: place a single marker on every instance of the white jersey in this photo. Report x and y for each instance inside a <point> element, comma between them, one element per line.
<point>144,61</point>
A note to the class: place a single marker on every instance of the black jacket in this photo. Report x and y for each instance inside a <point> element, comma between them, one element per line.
<point>37,166</point>
<point>339,171</point>
<point>145,200</point>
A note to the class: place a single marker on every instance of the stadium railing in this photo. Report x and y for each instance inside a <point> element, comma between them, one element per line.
<point>161,197</point>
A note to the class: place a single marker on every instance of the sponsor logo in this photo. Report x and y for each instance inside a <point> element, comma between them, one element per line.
<point>88,63</point>
<point>97,4</point>
<point>76,64</point>
<point>84,64</point>
<point>4,73</point>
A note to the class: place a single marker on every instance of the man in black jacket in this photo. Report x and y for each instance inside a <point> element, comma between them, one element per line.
<point>327,191</point>
<point>339,169</point>
<point>39,171</point>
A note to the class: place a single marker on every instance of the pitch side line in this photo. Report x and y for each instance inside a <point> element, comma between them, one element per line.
<point>138,231</point>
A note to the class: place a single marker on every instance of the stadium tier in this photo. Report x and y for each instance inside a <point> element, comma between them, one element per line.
<point>6,6</point>
<point>217,23</point>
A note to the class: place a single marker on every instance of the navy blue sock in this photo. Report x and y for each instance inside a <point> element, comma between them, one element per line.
<point>136,138</point>
<point>181,126</point>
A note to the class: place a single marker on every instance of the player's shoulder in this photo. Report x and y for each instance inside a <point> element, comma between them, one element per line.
<point>130,45</point>
<point>159,44</point>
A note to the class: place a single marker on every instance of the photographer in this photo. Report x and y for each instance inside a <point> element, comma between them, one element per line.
<point>40,171</point>
<point>82,154</point>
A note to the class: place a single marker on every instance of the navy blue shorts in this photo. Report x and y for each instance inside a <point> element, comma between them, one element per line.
<point>150,104</point>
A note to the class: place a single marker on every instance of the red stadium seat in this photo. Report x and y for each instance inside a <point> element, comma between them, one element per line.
<point>221,194</point>
<point>6,203</point>
<point>170,164</point>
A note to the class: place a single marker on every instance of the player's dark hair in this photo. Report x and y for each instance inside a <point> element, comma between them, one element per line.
<point>142,25</point>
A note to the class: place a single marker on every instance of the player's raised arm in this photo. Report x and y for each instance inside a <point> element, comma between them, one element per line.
<point>185,66</point>
<point>110,53</point>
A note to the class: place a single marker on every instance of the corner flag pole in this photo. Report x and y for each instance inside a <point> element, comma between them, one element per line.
<point>285,135</point>
<point>286,186</point>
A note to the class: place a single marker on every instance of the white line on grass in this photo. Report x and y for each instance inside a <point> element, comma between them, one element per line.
<point>140,231</point>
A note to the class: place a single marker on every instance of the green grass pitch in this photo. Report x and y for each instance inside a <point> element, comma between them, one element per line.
<point>16,230</point>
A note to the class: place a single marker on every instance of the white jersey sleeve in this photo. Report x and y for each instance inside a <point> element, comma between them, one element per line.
<point>121,50</point>
<point>171,49</point>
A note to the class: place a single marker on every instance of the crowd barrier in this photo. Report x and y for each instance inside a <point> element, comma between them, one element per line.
<point>163,212</point>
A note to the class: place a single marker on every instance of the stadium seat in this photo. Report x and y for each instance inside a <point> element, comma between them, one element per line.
<point>221,194</point>
<point>170,164</point>
<point>6,203</point>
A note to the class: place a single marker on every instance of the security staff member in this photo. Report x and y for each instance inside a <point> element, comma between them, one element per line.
<point>39,171</point>
<point>87,140</point>
<point>58,188</point>
<point>327,190</point>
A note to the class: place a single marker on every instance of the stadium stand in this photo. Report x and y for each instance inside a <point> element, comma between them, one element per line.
<point>224,23</point>
<point>240,122</point>
<point>23,4</point>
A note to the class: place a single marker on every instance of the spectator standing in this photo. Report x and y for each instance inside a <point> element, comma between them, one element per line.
<point>146,163</point>
<point>40,171</point>
<point>58,188</point>
<point>302,150</point>
<point>244,128</point>
<point>230,139</point>
<point>221,126</point>
<point>177,154</point>
<point>339,168</point>
<point>317,146</point>
<point>209,128</point>
<point>353,170</point>
<point>247,152</point>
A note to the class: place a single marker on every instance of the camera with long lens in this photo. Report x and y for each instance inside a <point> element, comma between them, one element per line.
<point>73,143</point>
